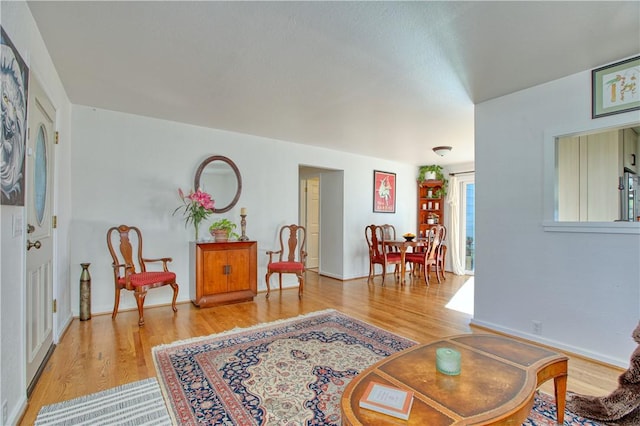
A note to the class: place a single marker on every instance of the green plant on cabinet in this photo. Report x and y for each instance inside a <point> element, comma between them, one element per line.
<point>224,224</point>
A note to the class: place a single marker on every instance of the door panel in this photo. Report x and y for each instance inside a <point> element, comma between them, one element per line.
<point>239,272</point>
<point>215,281</point>
<point>39,204</point>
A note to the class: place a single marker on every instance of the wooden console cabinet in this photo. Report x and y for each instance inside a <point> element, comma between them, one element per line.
<point>223,273</point>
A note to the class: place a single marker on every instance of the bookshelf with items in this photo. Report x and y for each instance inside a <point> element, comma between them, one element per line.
<point>430,205</point>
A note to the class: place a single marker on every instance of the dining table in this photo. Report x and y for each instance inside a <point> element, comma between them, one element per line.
<point>402,246</point>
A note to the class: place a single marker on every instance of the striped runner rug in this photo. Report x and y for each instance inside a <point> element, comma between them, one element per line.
<point>138,403</point>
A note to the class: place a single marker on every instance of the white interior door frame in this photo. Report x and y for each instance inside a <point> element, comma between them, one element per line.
<point>39,265</point>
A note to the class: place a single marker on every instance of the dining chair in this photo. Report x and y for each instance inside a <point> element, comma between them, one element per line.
<point>292,256</point>
<point>427,258</point>
<point>389,232</point>
<point>131,273</point>
<point>379,254</point>
<point>441,253</point>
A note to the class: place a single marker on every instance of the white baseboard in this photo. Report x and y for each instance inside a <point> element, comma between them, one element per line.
<point>616,362</point>
<point>17,413</point>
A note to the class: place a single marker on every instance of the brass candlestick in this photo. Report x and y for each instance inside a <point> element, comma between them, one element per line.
<point>243,226</point>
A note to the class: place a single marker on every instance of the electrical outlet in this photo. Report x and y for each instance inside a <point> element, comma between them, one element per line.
<point>537,327</point>
<point>5,412</point>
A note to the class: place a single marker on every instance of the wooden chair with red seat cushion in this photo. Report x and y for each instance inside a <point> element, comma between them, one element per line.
<point>378,253</point>
<point>292,257</point>
<point>427,258</point>
<point>441,253</point>
<point>131,274</point>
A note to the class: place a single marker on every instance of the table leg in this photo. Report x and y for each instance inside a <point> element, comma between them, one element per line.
<point>403,265</point>
<point>402,246</point>
<point>560,385</point>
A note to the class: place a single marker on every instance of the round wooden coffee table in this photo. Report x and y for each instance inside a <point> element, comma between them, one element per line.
<point>496,386</point>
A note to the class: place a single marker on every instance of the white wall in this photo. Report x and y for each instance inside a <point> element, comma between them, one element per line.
<point>127,169</point>
<point>21,29</point>
<point>583,287</point>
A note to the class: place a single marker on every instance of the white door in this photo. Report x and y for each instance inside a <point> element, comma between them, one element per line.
<point>39,204</point>
<point>313,222</point>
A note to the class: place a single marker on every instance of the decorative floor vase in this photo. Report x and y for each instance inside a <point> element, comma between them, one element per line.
<point>85,292</point>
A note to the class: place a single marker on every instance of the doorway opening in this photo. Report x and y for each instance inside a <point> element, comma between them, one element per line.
<point>321,212</point>
<point>464,235</point>
<point>310,219</point>
<point>467,223</point>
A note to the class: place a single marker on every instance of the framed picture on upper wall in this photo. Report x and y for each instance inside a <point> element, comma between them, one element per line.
<point>384,192</point>
<point>15,81</point>
<point>615,88</point>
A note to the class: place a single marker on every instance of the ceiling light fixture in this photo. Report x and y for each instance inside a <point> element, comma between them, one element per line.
<point>442,150</point>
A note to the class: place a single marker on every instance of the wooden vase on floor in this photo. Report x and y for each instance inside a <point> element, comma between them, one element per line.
<point>85,293</point>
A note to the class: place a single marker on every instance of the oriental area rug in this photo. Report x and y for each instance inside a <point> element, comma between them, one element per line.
<point>289,372</point>
<point>141,403</point>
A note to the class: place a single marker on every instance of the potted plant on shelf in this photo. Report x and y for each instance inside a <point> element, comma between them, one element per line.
<point>222,230</point>
<point>430,172</point>
<point>433,172</point>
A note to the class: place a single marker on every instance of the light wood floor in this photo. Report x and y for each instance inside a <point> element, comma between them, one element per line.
<point>100,353</point>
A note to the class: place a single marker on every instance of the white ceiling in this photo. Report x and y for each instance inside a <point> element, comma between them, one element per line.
<point>385,79</point>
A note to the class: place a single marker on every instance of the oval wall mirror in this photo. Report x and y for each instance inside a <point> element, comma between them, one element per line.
<point>220,177</point>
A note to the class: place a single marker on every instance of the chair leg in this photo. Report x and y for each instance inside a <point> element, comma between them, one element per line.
<point>266,278</point>
<point>140,295</point>
<point>175,287</point>
<point>370,271</point>
<point>116,303</point>
<point>415,269</point>
<point>384,272</point>
<point>435,266</point>
<point>440,271</point>
<point>300,284</point>
<point>442,260</point>
<point>280,280</point>
<point>425,272</point>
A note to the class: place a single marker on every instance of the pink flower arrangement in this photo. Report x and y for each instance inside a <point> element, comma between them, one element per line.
<point>197,207</point>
